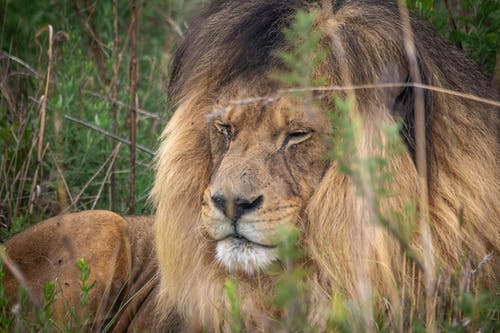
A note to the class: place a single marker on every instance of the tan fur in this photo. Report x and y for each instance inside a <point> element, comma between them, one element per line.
<point>347,251</point>
<point>120,254</point>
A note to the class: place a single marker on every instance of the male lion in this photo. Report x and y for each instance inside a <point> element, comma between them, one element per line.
<point>235,166</point>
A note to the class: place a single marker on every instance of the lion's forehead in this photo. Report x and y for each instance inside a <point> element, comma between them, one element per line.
<point>269,114</point>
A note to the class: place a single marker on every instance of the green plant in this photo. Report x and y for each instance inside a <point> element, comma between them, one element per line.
<point>73,167</point>
<point>45,315</point>
<point>235,315</point>
<point>469,24</point>
<point>6,318</point>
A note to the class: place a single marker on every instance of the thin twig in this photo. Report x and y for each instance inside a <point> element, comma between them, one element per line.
<point>106,133</point>
<point>61,176</point>
<point>43,99</point>
<point>18,275</point>
<point>97,47</point>
<point>174,25</point>
<point>133,102</point>
<point>22,63</point>
<point>273,97</point>
<point>100,130</point>
<point>114,96</point>
<point>120,103</point>
<point>363,283</point>
<point>43,113</point>
<point>24,169</point>
<point>452,22</point>
<point>421,164</point>
<point>108,173</point>
<point>110,157</point>
<point>483,262</point>
<point>34,186</point>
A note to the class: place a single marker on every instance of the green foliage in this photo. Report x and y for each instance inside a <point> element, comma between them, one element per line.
<point>339,319</point>
<point>370,174</point>
<point>305,53</point>
<point>235,321</point>
<point>5,318</point>
<point>480,312</point>
<point>291,294</point>
<point>85,287</point>
<point>74,173</point>
<point>22,316</point>
<point>470,24</point>
<point>45,316</point>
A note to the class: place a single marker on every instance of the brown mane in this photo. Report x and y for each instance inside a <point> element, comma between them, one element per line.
<point>232,44</point>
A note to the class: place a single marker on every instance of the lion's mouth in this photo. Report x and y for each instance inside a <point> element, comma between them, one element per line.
<point>244,240</point>
<point>237,252</point>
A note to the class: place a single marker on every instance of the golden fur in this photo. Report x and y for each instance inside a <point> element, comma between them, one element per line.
<point>347,252</point>
<point>123,271</point>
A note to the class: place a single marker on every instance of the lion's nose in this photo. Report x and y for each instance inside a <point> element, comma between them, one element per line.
<point>237,206</point>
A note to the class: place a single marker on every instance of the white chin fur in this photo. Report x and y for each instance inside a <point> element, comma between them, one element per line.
<point>238,255</point>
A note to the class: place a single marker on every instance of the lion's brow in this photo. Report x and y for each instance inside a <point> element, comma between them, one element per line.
<point>218,112</point>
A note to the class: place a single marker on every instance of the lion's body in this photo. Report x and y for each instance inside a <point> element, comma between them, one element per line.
<point>118,250</point>
<point>231,170</point>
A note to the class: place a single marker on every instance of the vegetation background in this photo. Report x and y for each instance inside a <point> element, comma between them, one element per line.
<point>75,73</point>
<point>63,99</point>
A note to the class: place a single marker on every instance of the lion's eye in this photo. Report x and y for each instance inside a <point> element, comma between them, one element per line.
<point>225,129</point>
<point>297,136</point>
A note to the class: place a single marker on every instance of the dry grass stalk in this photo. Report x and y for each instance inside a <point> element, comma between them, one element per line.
<point>114,96</point>
<point>281,92</point>
<point>62,179</point>
<point>97,47</point>
<point>364,287</point>
<point>18,275</point>
<point>133,102</point>
<point>13,199</point>
<point>421,163</point>
<point>109,173</point>
<point>105,133</point>
<point>30,70</point>
<point>43,115</point>
<point>111,157</point>
<point>142,112</point>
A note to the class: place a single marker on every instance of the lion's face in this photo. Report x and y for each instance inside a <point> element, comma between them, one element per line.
<point>267,160</point>
<point>231,173</point>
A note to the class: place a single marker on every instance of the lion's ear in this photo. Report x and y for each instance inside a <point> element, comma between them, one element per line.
<point>390,73</point>
<point>398,100</point>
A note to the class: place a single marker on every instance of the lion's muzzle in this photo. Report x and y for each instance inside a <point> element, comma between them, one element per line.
<point>236,207</point>
<point>242,229</point>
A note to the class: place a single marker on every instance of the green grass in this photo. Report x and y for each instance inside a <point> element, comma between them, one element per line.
<point>80,83</point>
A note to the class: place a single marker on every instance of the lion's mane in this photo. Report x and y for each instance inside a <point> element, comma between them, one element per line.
<point>235,41</point>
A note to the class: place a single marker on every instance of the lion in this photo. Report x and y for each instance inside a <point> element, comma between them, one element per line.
<point>242,158</point>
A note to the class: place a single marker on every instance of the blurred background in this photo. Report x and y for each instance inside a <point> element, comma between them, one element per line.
<point>73,73</point>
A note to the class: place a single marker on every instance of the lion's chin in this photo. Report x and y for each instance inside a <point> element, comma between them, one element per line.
<point>241,255</point>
